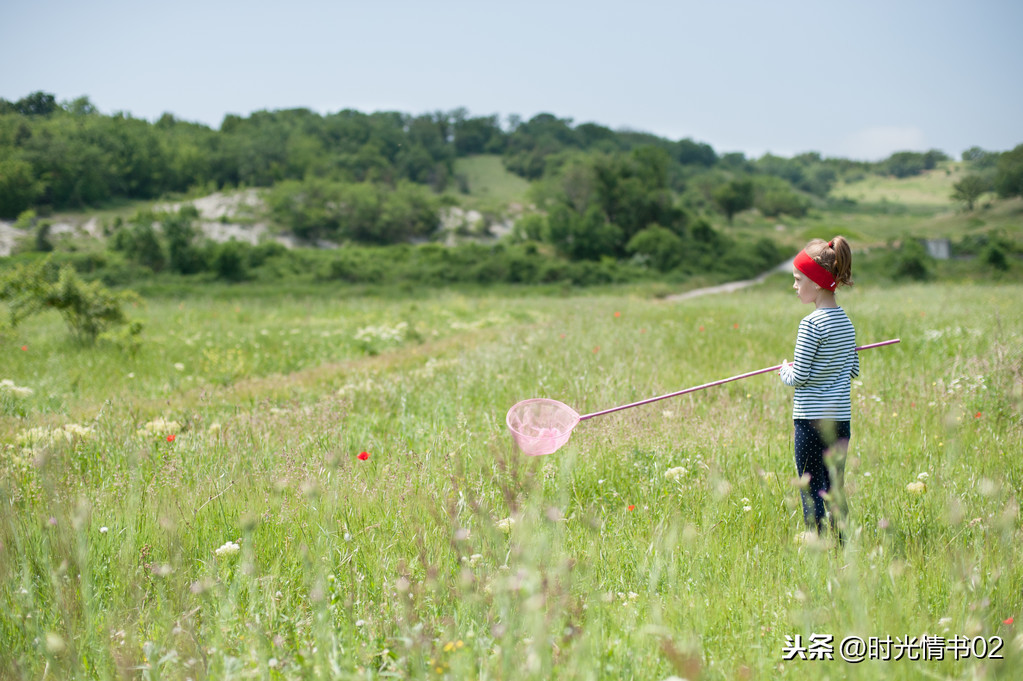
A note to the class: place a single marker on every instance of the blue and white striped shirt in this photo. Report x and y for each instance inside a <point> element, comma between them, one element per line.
<point>823,366</point>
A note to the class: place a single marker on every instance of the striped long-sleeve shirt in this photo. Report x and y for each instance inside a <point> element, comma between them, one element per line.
<point>823,366</point>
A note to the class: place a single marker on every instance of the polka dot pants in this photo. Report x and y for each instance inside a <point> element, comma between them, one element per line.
<point>820,452</point>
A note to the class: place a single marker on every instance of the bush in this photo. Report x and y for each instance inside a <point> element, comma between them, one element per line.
<point>228,261</point>
<point>911,261</point>
<point>89,309</point>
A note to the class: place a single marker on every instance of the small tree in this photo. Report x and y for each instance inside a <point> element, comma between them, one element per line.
<point>969,189</point>
<point>734,197</point>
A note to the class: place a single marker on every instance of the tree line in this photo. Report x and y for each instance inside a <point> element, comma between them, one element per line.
<point>69,155</point>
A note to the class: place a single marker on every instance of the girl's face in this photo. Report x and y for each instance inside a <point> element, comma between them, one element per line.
<point>806,289</point>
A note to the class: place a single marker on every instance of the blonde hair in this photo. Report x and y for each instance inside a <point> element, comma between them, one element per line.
<point>835,256</point>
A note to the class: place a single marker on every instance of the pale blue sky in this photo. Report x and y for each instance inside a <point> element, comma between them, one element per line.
<point>854,79</point>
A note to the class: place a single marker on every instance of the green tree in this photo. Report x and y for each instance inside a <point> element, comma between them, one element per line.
<point>1009,173</point>
<point>969,189</point>
<point>734,197</point>
<point>183,255</point>
<point>36,104</point>
<point>659,246</point>
<point>19,188</point>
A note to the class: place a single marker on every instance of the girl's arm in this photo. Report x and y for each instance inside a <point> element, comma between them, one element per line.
<point>807,342</point>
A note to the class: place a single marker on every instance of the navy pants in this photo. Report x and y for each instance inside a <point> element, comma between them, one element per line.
<point>820,452</point>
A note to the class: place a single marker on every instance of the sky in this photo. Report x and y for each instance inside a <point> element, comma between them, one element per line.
<point>856,80</point>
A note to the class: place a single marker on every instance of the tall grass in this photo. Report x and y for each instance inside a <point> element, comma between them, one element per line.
<point>662,540</point>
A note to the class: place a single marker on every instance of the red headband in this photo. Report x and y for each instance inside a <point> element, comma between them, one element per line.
<point>818,275</point>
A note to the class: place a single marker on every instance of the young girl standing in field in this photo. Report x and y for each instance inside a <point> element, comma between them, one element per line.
<point>822,369</point>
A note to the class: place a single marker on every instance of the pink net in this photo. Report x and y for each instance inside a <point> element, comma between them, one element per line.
<point>541,426</point>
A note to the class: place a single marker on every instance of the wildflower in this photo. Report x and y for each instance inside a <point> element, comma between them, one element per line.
<point>474,559</point>
<point>918,487</point>
<point>171,437</point>
<point>1008,620</point>
<point>54,643</point>
<point>923,476</point>
<point>506,525</point>
<point>8,386</point>
<point>701,328</point>
<point>179,366</point>
<point>104,529</point>
<point>228,549</point>
<point>24,348</point>
<point>363,456</point>
<point>617,314</point>
<point>632,507</point>
<point>675,473</point>
<point>977,415</point>
<point>159,427</point>
<point>735,326</point>
<point>596,349</point>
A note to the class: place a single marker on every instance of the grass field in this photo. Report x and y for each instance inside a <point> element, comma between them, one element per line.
<point>930,189</point>
<point>199,509</point>
<point>488,179</point>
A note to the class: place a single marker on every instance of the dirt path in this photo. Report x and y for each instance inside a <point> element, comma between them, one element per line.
<point>732,285</point>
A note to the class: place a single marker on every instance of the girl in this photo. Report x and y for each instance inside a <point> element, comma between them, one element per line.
<point>822,369</point>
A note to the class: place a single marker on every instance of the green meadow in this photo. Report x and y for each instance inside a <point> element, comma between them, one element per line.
<point>318,485</point>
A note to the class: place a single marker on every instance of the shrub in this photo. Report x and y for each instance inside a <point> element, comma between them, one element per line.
<point>89,309</point>
<point>911,261</point>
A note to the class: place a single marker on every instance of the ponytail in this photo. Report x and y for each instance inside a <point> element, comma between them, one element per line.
<point>835,256</point>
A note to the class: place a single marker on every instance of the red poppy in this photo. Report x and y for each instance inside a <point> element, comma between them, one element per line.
<point>170,438</point>
<point>632,507</point>
<point>701,328</point>
<point>735,326</point>
<point>596,349</point>
<point>642,330</point>
<point>25,348</point>
<point>363,456</point>
<point>1007,620</point>
<point>977,415</point>
<point>618,314</point>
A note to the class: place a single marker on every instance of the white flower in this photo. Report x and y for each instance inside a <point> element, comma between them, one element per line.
<point>675,473</point>
<point>159,427</point>
<point>506,525</point>
<point>104,529</point>
<point>179,366</point>
<point>474,559</point>
<point>918,487</point>
<point>228,549</point>
<point>8,386</point>
<point>923,476</point>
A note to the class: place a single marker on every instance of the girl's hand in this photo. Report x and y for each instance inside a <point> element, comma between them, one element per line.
<point>784,364</point>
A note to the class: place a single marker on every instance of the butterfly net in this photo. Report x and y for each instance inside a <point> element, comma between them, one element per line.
<point>541,426</point>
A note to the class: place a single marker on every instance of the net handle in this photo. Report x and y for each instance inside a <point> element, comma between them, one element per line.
<point>714,383</point>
